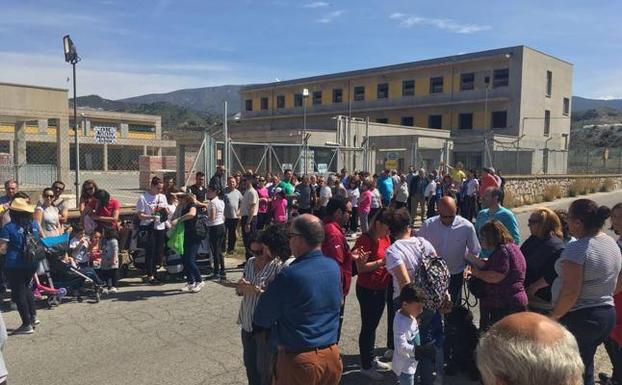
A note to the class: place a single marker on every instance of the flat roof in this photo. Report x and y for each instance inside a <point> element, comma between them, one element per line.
<point>33,86</point>
<point>397,67</point>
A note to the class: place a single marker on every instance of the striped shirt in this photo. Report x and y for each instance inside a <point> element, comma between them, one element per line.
<point>261,279</point>
<point>601,261</point>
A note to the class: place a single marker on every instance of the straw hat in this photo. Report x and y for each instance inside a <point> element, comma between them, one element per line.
<point>21,204</point>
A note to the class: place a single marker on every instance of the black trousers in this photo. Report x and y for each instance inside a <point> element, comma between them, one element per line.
<point>247,236</point>
<point>19,282</point>
<point>231,224</point>
<point>354,219</point>
<point>372,303</point>
<point>614,350</point>
<point>155,250</point>
<point>216,235</point>
<point>110,277</point>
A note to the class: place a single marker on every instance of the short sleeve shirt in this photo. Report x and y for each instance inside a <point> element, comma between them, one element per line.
<point>250,198</point>
<point>407,252</point>
<point>233,199</point>
<point>14,236</point>
<point>218,206</point>
<point>107,211</point>
<point>148,204</point>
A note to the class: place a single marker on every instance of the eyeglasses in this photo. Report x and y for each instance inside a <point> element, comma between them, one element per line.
<point>49,195</point>
<point>257,252</point>
<point>59,188</point>
<point>291,235</point>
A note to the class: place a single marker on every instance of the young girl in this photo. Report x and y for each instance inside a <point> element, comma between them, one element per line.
<point>364,204</point>
<point>109,269</point>
<point>279,207</point>
<point>94,251</point>
<point>406,334</point>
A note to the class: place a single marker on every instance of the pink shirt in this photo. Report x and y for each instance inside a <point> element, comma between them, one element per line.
<point>263,204</point>
<point>365,201</point>
<point>279,210</point>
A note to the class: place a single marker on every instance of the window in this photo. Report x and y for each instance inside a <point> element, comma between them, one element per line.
<point>435,121</point>
<point>337,95</point>
<point>407,121</point>
<point>501,78</point>
<point>499,119</point>
<point>549,83</point>
<point>465,121</point>
<point>467,81</point>
<point>297,100</point>
<point>408,88</point>
<point>280,101</point>
<point>249,104</point>
<point>359,93</point>
<point>382,120</point>
<point>264,103</point>
<point>436,85</point>
<point>140,128</point>
<point>547,122</point>
<point>566,106</point>
<point>383,91</point>
<point>317,97</point>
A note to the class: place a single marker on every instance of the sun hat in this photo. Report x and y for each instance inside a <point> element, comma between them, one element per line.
<point>21,204</point>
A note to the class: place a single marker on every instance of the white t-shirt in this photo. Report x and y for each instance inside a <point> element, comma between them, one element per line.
<point>405,338</point>
<point>250,197</point>
<point>354,195</point>
<point>376,199</point>
<point>407,252</point>
<point>148,205</point>
<point>430,190</point>
<point>79,248</point>
<point>219,206</point>
<point>325,195</point>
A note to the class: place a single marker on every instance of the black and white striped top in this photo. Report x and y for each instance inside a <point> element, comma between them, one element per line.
<point>261,279</point>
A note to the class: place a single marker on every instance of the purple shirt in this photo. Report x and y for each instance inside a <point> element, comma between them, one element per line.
<point>510,292</point>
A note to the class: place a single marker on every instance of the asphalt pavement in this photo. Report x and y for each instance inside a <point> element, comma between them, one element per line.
<point>157,335</point>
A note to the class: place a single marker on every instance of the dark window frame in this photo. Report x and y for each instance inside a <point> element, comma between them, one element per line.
<point>264,103</point>
<point>298,100</point>
<point>465,83</point>
<point>547,122</point>
<point>461,121</point>
<point>248,105</point>
<point>432,121</point>
<point>337,95</point>
<point>501,77</point>
<point>435,83</point>
<point>359,93</point>
<point>280,101</point>
<point>408,91</point>
<point>382,91</point>
<point>407,121</point>
<point>317,98</point>
<point>549,83</point>
<point>566,106</point>
<point>496,114</point>
<point>382,120</point>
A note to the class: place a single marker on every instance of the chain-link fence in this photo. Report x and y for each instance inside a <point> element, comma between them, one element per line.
<point>587,159</point>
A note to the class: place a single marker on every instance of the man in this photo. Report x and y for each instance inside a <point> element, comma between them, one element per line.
<point>218,180</point>
<point>10,188</point>
<point>395,178</point>
<point>452,237</point>
<point>457,174</point>
<point>469,197</point>
<point>303,301</point>
<point>491,200</point>
<point>249,210</point>
<point>529,349</point>
<point>198,188</point>
<point>487,180</point>
<point>335,246</point>
<point>286,184</point>
<point>63,211</point>
<point>233,200</point>
<point>325,194</point>
<point>304,193</point>
<point>343,177</point>
<point>416,191</point>
<point>385,186</point>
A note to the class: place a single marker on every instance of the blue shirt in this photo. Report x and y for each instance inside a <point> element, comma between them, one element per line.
<point>4,200</point>
<point>14,236</point>
<point>304,301</point>
<point>503,215</point>
<point>385,186</point>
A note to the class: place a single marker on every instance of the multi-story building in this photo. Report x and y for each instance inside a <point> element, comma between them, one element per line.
<point>509,107</point>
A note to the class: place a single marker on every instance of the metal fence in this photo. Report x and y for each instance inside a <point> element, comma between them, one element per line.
<point>30,175</point>
<point>594,160</point>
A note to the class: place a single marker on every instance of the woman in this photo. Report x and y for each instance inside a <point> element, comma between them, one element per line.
<point>187,214</point>
<point>259,271</point>
<point>353,195</point>
<point>587,272</point>
<point>48,215</point>
<point>216,226</point>
<point>376,199</point>
<point>151,209</point>
<point>106,212</point>
<point>371,290</point>
<point>263,215</point>
<point>503,274</point>
<point>401,199</point>
<point>87,204</point>
<point>17,269</point>
<point>563,219</point>
<point>541,250</point>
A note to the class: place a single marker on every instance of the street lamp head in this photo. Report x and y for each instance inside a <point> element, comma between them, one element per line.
<point>305,93</point>
<point>71,55</point>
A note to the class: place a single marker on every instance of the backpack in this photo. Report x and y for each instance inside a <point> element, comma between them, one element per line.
<point>432,276</point>
<point>201,229</point>
<point>34,251</point>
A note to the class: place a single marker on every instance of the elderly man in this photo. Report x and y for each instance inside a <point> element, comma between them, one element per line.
<point>529,349</point>
<point>10,188</point>
<point>303,301</point>
<point>416,192</point>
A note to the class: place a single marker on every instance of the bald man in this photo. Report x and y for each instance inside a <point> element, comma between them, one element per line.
<point>529,349</point>
<point>303,303</point>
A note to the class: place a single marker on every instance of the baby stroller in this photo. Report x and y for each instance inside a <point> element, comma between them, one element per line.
<point>64,273</point>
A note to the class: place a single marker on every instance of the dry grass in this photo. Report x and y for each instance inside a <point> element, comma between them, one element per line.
<point>510,199</point>
<point>608,185</point>
<point>552,192</point>
<point>578,187</point>
<point>593,185</point>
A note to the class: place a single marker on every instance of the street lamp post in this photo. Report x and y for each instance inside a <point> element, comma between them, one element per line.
<point>71,57</point>
<point>305,96</point>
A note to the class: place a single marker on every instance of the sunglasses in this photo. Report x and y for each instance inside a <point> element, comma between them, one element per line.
<point>59,188</point>
<point>257,252</point>
<point>291,235</point>
<point>49,195</point>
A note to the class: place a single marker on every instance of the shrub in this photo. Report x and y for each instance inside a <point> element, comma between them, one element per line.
<point>552,192</point>
<point>608,185</point>
<point>592,186</point>
<point>577,187</point>
<point>509,198</point>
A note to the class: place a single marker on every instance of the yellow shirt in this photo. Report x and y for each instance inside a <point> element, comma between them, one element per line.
<point>458,176</point>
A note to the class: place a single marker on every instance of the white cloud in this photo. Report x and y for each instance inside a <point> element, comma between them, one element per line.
<point>330,17</point>
<point>410,21</point>
<point>316,4</point>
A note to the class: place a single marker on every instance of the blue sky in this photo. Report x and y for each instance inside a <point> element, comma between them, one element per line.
<point>131,47</point>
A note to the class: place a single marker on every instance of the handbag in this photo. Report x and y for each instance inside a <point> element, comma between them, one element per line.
<point>143,236</point>
<point>477,287</point>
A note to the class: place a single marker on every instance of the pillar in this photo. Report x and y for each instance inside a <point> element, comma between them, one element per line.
<point>145,150</point>
<point>181,165</point>
<point>19,144</point>
<point>62,150</point>
<point>124,130</point>
<point>105,157</point>
<point>42,124</point>
<point>159,151</point>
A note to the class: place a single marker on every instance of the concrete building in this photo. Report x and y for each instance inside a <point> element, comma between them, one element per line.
<point>35,129</point>
<point>507,107</point>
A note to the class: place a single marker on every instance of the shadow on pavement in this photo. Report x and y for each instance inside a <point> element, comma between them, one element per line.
<point>351,372</point>
<point>141,295</point>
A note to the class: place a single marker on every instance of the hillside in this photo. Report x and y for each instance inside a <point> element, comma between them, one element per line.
<point>598,127</point>
<point>580,104</point>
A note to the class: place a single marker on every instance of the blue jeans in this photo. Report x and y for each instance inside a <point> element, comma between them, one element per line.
<point>249,356</point>
<point>191,270</point>
<point>407,379</point>
<point>590,327</point>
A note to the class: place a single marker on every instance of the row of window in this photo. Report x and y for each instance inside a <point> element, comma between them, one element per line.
<point>465,121</point>
<point>501,78</point>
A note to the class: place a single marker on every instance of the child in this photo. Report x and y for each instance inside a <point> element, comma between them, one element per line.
<point>365,205</point>
<point>109,268</point>
<point>406,335</point>
<point>93,252</point>
<point>279,207</point>
<point>78,246</point>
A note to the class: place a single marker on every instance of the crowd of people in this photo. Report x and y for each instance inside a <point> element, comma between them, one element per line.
<point>545,305</point>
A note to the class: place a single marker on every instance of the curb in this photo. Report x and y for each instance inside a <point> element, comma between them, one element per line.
<point>523,209</point>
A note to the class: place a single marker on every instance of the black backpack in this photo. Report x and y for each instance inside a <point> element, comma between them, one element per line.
<point>34,251</point>
<point>201,229</point>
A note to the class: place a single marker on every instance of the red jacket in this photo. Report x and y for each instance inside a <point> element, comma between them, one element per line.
<point>336,247</point>
<point>487,182</point>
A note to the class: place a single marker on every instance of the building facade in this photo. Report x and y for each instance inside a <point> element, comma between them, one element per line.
<point>507,107</point>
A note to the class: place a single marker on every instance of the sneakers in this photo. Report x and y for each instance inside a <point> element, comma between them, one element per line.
<point>35,321</point>
<point>113,290</point>
<point>388,355</point>
<point>24,329</point>
<point>188,287</point>
<point>380,366</point>
<point>105,291</point>
<point>372,373</point>
<point>197,287</point>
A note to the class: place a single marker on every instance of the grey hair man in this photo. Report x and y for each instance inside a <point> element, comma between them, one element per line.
<point>529,349</point>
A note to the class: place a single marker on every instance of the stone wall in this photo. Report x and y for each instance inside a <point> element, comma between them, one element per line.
<point>521,190</point>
